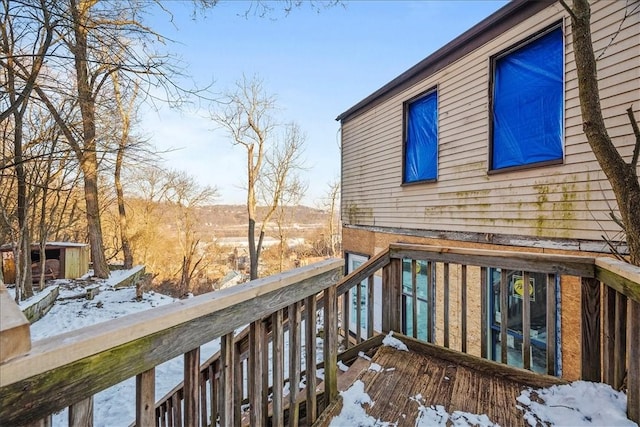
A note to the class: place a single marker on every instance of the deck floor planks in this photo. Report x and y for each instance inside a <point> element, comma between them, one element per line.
<point>456,388</point>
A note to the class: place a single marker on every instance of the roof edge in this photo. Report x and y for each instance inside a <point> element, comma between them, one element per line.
<point>504,18</point>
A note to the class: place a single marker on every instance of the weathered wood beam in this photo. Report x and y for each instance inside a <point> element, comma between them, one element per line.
<point>145,398</point>
<point>125,347</point>
<point>310,357</point>
<point>536,262</point>
<point>621,276</point>
<point>192,387</point>
<point>330,345</point>
<point>15,335</point>
<point>590,309</point>
<point>498,370</point>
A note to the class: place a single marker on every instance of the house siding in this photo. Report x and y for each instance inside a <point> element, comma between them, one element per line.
<point>566,201</point>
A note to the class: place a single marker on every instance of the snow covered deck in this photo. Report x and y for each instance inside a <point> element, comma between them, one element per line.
<point>403,385</point>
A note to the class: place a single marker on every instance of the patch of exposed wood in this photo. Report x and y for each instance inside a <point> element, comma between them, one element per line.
<point>407,381</point>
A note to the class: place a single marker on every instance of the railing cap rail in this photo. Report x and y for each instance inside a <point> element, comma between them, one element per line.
<point>67,348</point>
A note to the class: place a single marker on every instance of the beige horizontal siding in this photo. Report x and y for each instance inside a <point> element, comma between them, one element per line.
<point>569,200</point>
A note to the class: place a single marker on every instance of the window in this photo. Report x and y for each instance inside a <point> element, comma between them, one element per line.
<point>353,262</point>
<point>538,288</point>
<point>421,300</point>
<point>421,139</point>
<point>528,89</point>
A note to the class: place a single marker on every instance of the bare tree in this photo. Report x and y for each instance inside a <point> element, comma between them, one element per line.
<point>187,196</point>
<point>125,112</point>
<point>247,114</point>
<point>622,174</point>
<point>333,201</point>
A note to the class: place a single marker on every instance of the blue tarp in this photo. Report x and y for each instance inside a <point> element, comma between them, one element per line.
<point>527,103</point>
<point>421,148</point>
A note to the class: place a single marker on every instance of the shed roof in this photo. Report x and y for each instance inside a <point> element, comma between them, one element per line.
<point>49,245</point>
<point>504,18</point>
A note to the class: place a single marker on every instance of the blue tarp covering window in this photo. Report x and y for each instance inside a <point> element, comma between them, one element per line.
<point>527,103</point>
<point>421,147</point>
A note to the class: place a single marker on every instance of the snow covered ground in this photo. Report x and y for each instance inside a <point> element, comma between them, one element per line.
<point>569,405</point>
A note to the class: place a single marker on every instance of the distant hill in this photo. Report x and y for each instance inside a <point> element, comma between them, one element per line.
<point>231,220</point>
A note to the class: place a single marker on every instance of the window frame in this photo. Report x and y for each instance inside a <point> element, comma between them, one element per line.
<point>405,124</point>
<point>491,170</point>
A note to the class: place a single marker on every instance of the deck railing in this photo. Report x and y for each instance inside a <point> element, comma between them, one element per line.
<point>68,369</point>
<point>609,332</point>
<point>244,382</point>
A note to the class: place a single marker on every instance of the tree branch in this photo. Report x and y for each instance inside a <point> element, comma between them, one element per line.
<point>568,9</point>
<point>636,132</point>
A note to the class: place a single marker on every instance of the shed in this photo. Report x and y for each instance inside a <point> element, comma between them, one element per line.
<point>73,260</point>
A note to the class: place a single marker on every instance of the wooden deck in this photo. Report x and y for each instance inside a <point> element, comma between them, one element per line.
<point>427,375</point>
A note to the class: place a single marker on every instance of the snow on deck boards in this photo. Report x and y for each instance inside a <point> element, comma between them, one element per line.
<point>405,383</point>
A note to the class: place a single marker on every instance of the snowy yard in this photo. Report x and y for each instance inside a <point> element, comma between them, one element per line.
<point>579,403</point>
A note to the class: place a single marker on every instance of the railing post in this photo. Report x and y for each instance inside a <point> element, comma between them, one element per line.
<point>633,394</point>
<point>81,413</point>
<point>145,398</point>
<point>227,377</point>
<point>255,376</point>
<point>295,344</point>
<point>392,296</point>
<point>192,387</point>
<point>591,370</point>
<point>330,345</point>
<point>310,357</point>
<point>278,368</point>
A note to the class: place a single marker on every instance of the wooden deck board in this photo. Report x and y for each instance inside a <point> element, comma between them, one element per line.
<point>411,379</point>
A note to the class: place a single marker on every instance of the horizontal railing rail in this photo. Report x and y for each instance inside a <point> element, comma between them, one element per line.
<point>68,369</point>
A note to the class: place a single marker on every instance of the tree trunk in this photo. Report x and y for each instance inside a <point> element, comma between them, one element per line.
<point>622,176</point>
<point>124,231</point>
<point>89,160</point>
<point>23,262</point>
<point>90,172</point>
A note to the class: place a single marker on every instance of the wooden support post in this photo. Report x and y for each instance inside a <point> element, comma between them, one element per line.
<point>255,372</point>
<point>526,321</point>
<point>330,345</point>
<point>484,313</point>
<point>590,329</point>
<point>358,313</point>
<point>414,299</point>
<point>278,368</point>
<point>204,415</point>
<point>463,308</point>
<point>214,388</point>
<point>266,327</point>
<point>504,314</point>
<point>371,305</point>
<point>445,291</point>
<point>192,387</point>
<point>620,341</point>
<point>310,357</point>
<point>609,335</point>
<point>346,314</point>
<point>238,392</point>
<point>81,413</point>
<point>295,346</point>
<point>146,398</point>
<point>431,302</point>
<point>633,380</point>
<point>227,380</point>
<point>552,309</point>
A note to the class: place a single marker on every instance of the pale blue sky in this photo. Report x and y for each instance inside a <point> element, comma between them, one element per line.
<point>317,65</point>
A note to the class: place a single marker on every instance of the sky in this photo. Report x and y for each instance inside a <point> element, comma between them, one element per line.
<point>317,63</point>
<point>566,405</point>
